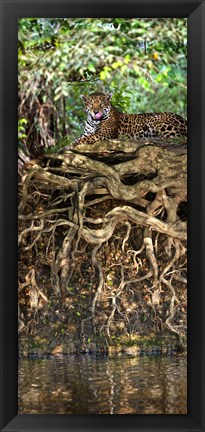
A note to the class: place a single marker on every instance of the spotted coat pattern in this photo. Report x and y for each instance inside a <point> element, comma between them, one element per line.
<point>104,121</point>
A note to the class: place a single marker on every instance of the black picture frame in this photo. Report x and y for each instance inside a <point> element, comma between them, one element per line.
<point>194,11</point>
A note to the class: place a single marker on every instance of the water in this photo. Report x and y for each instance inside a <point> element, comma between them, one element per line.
<point>103,385</point>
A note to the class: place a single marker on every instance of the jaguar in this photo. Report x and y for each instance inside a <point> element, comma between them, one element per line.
<point>105,121</point>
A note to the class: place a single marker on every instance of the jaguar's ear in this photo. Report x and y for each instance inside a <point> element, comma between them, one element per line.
<point>109,95</point>
<point>83,98</point>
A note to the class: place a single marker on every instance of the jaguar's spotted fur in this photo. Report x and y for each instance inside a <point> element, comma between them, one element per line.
<point>104,121</point>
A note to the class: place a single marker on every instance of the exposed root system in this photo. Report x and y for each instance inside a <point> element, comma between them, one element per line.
<point>104,230</point>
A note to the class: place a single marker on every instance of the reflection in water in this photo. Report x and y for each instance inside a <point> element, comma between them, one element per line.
<point>103,385</point>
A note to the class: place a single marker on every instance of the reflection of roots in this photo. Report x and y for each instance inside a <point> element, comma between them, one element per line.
<point>75,206</point>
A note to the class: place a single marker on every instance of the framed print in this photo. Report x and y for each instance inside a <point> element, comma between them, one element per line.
<point>108,102</point>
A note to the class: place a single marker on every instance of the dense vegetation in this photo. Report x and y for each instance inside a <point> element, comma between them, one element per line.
<point>102,232</point>
<point>142,62</point>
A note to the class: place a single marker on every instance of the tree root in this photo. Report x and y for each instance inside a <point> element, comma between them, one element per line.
<point>82,201</point>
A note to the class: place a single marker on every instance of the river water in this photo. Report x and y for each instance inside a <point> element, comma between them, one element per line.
<point>103,385</point>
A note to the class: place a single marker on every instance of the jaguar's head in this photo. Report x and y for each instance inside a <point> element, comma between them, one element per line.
<point>97,105</point>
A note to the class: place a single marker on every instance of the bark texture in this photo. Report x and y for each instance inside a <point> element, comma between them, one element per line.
<point>109,222</point>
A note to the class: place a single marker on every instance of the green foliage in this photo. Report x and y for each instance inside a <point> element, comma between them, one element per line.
<point>78,314</point>
<point>22,128</point>
<point>141,61</point>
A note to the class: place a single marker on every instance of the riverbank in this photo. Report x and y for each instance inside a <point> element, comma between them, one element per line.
<point>62,344</point>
